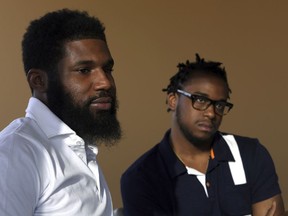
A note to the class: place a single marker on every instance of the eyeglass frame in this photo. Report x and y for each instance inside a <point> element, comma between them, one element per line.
<point>193,97</point>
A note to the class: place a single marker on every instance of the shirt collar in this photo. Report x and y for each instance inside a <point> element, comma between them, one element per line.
<point>48,122</point>
<point>220,148</point>
<point>175,166</point>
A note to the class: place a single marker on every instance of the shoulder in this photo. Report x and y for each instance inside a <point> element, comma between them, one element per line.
<point>241,139</point>
<point>22,132</point>
<point>245,143</point>
<point>22,138</point>
<point>146,162</point>
<point>255,156</point>
<point>153,164</point>
<point>21,155</point>
<point>251,149</point>
<point>259,168</point>
<point>22,127</point>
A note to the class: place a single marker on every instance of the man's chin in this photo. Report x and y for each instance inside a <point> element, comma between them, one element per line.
<point>105,131</point>
<point>99,140</point>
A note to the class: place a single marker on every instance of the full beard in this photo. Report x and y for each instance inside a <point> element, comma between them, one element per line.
<point>94,128</point>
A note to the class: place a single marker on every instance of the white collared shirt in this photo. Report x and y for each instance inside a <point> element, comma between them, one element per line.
<point>46,169</point>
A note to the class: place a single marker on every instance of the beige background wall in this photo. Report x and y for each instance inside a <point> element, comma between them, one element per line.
<point>147,39</point>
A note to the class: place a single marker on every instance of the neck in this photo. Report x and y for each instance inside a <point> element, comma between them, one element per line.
<point>190,155</point>
<point>198,161</point>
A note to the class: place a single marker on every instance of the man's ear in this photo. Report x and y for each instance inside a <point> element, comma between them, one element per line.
<point>172,101</point>
<point>38,80</point>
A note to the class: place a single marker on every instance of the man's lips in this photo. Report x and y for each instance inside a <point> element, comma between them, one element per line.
<point>206,126</point>
<point>103,103</point>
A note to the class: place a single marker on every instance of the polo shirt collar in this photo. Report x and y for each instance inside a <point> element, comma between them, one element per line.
<point>49,123</point>
<point>175,166</point>
<point>221,150</point>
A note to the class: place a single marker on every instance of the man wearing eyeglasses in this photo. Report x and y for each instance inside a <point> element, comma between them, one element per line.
<point>196,169</point>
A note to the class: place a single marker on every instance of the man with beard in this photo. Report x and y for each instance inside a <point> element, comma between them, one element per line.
<point>196,169</point>
<point>48,158</point>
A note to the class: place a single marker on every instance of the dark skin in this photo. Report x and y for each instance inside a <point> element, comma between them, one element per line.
<point>81,91</point>
<point>84,71</point>
<point>194,149</point>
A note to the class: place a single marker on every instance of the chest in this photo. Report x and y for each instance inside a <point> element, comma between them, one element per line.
<point>69,186</point>
<point>212,194</point>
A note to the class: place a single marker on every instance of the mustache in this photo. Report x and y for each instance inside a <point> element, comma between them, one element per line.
<point>102,93</point>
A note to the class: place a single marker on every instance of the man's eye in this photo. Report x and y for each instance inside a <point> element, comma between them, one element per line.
<point>220,106</point>
<point>108,70</point>
<point>201,100</point>
<point>84,70</point>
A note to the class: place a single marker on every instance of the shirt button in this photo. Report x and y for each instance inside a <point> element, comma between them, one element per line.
<point>208,184</point>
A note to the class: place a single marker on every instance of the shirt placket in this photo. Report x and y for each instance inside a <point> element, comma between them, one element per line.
<point>88,157</point>
<point>93,165</point>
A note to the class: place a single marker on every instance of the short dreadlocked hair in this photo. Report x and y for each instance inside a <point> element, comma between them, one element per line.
<point>186,70</point>
<point>43,42</point>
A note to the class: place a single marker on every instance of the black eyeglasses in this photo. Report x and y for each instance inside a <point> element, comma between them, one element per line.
<point>202,103</point>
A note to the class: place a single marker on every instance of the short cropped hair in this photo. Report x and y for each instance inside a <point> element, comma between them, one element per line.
<point>43,42</point>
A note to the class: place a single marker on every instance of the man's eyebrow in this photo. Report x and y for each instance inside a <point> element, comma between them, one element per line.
<point>84,62</point>
<point>207,96</point>
<point>110,62</point>
<point>200,94</point>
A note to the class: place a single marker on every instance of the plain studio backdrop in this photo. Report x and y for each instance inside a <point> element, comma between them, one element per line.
<point>147,40</point>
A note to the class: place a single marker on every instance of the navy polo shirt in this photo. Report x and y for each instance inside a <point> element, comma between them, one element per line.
<point>158,182</point>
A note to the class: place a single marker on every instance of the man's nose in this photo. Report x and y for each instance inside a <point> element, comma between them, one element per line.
<point>210,111</point>
<point>102,80</point>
